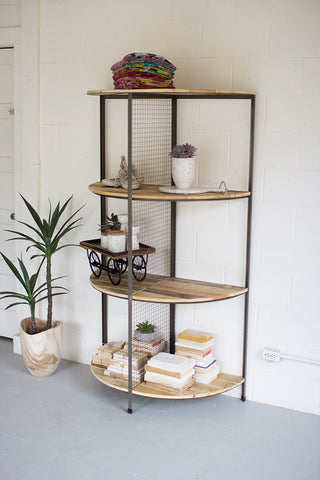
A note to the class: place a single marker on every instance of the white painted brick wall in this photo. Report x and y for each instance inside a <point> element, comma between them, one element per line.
<point>270,47</point>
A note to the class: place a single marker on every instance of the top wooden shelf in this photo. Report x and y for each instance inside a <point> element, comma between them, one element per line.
<point>152,192</point>
<point>179,92</point>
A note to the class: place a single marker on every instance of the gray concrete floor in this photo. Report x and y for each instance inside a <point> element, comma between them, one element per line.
<point>71,427</point>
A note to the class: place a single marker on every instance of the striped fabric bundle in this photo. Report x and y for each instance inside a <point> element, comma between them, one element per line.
<point>143,70</point>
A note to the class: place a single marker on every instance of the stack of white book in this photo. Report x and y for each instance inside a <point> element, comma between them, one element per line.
<point>104,355</point>
<point>207,374</point>
<point>169,372</point>
<point>118,367</point>
<point>151,348</point>
<point>198,345</point>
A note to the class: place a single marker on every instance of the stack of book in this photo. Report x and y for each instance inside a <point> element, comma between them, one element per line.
<point>151,348</point>
<point>104,355</point>
<point>118,367</point>
<point>206,374</point>
<point>198,345</point>
<point>169,372</point>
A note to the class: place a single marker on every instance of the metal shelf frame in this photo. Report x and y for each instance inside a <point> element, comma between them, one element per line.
<point>173,96</point>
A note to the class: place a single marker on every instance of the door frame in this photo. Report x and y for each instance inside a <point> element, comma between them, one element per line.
<point>25,42</point>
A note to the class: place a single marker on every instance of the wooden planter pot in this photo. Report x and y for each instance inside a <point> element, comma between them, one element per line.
<point>42,351</point>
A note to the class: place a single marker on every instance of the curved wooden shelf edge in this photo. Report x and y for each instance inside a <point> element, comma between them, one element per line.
<point>152,192</point>
<point>167,91</point>
<point>223,383</point>
<point>162,289</point>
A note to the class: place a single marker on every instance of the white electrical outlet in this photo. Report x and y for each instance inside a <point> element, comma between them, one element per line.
<point>271,354</point>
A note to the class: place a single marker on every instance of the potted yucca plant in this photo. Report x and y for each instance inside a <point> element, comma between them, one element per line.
<point>32,328</point>
<point>41,341</point>
<point>183,165</point>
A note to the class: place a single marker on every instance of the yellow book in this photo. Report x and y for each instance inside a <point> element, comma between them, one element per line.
<point>195,336</point>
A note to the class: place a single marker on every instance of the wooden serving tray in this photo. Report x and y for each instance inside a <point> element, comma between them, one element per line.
<point>95,245</point>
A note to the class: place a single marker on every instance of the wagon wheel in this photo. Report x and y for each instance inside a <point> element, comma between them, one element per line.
<point>123,264</point>
<point>95,263</point>
<point>139,268</point>
<point>114,271</point>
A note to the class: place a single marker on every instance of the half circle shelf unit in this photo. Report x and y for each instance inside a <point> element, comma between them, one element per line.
<point>161,289</point>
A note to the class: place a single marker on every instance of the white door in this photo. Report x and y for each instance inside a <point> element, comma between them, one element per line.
<point>8,322</point>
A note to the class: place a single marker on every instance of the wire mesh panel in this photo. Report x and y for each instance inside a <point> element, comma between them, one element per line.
<point>151,144</point>
<point>151,139</point>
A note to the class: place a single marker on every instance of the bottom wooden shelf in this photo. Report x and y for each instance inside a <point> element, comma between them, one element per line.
<point>222,383</point>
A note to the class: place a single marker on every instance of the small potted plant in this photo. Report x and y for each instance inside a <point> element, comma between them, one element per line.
<point>145,331</point>
<point>112,238</point>
<point>183,165</point>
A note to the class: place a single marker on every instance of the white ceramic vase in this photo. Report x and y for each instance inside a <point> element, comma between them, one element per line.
<point>183,170</point>
<point>123,219</point>
<point>41,351</point>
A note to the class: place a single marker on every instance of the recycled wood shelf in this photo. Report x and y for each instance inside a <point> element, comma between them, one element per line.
<point>152,192</point>
<point>168,92</point>
<point>221,384</point>
<point>162,289</point>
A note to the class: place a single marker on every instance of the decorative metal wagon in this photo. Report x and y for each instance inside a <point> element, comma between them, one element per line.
<point>117,263</point>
